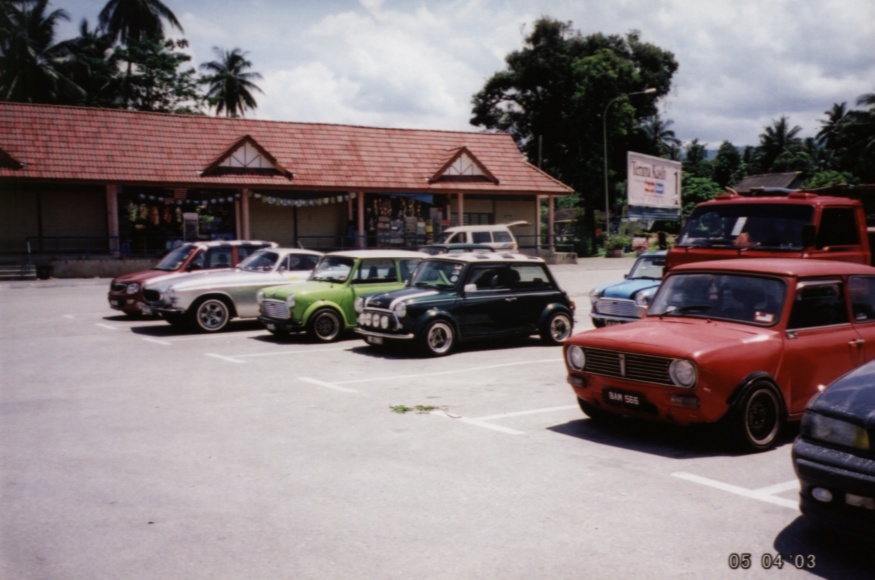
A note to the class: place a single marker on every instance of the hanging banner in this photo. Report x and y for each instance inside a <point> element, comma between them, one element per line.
<point>653,187</point>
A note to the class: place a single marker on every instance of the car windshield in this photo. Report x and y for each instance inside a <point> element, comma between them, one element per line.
<point>647,268</point>
<point>752,225</point>
<point>175,259</point>
<point>436,274</point>
<point>738,297</point>
<point>260,261</point>
<point>333,269</point>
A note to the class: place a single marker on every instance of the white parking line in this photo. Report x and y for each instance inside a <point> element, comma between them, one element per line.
<point>765,494</point>
<point>453,372</point>
<point>325,384</point>
<point>107,326</point>
<point>485,422</point>
<point>225,358</point>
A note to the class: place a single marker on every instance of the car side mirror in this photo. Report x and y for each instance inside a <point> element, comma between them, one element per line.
<point>470,288</point>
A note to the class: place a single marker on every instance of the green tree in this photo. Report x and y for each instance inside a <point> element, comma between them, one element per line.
<point>696,160</point>
<point>780,148</point>
<point>230,84</point>
<point>93,66</point>
<point>696,190</point>
<point>159,83</point>
<point>29,57</point>
<point>129,20</point>
<point>558,87</point>
<point>727,165</point>
<point>656,131</point>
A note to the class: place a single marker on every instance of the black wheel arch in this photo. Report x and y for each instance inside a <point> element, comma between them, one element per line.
<point>747,384</point>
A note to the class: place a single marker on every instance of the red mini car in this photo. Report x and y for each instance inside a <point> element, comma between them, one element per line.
<point>743,342</point>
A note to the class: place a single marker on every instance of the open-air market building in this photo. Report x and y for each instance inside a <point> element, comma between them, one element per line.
<point>80,184</point>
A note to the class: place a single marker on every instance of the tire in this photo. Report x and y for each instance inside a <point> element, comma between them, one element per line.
<point>756,420</point>
<point>557,328</point>
<point>211,315</point>
<point>438,338</point>
<point>325,325</point>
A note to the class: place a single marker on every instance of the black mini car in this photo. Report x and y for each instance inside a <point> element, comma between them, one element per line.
<point>834,455</point>
<point>460,297</point>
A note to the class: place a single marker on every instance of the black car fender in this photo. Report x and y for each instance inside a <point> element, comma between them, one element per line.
<point>433,314</point>
<point>552,308</point>
<point>747,384</point>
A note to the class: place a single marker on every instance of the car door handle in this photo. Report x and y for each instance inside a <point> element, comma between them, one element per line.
<point>510,299</point>
<point>858,343</point>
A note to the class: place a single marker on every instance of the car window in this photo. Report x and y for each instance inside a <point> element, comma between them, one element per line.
<point>737,297</point>
<point>436,274</point>
<point>376,271</point>
<point>649,267</point>
<point>407,266</point>
<point>294,263</point>
<point>502,236</point>
<point>481,237</point>
<point>333,269</point>
<point>246,251</point>
<point>530,277</point>
<point>176,258</point>
<point>818,304</point>
<point>262,261</point>
<point>862,293</point>
<point>218,258</point>
<point>492,277</point>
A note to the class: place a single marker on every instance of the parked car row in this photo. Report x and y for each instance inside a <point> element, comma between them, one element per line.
<point>747,345</point>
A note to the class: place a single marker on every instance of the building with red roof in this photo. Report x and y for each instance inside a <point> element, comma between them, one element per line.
<point>113,182</point>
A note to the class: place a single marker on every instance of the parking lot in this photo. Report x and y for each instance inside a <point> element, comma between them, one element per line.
<point>131,450</point>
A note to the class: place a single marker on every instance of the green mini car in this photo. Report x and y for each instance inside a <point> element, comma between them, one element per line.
<point>324,305</point>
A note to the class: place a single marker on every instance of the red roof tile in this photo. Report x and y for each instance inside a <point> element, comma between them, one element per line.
<point>124,147</point>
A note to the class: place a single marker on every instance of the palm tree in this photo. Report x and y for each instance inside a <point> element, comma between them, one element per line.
<point>29,57</point>
<point>230,86</point>
<point>658,132</point>
<point>126,20</point>
<point>778,140</point>
<point>831,128</point>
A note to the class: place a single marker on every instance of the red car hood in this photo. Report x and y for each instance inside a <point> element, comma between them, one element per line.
<point>672,337</point>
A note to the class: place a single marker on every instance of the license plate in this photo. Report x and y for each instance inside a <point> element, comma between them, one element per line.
<point>271,326</point>
<point>375,339</point>
<point>622,398</point>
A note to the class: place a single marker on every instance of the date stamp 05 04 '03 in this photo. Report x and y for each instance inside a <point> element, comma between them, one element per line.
<point>744,561</point>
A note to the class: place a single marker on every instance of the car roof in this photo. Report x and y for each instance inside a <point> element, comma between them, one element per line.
<point>361,254</point>
<point>486,227</point>
<point>298,251</point>
<point>798,197</point>
<point>487,257</point>
<point>220,243</point>
<point>790,267</point>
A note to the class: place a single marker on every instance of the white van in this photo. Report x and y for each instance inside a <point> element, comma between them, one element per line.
<point>498,236</point>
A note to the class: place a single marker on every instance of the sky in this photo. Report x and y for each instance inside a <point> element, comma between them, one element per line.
<point>743,64</point>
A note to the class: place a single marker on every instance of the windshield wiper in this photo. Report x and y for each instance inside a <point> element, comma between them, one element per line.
<point>687,308</point>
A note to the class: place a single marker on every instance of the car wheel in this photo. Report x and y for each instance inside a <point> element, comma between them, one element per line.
<point>325,325</point>
<point>557,328</point>
<point>438,338</point>
<point>211,315</point>
<point>757,419</point>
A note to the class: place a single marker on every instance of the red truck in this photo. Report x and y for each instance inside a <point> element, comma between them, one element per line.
<point>796,225</point>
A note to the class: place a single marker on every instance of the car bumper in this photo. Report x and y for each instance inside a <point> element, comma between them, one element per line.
<point>376,337</point>
<point>281,324</point>
<point>644,401</point>
<point>850,480</point>
<point>128,304</point>
<point>609,319</point>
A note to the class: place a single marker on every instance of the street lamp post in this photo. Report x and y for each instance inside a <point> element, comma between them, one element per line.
<point>649,91</point>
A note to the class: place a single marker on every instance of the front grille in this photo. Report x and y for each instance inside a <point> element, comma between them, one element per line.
<point>152,295</point>
<point>615,307</point>
<point>276,309</point>
<point>630,366</point>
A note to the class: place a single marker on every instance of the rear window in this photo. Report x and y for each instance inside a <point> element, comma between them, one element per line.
<point>502,236</point>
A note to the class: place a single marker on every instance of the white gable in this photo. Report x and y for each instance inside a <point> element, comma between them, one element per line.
<point>463,165</point>
<point>248,157</point>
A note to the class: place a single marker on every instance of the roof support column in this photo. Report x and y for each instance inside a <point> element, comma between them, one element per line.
<point>243,230</point>
<point>551,224</point>
<point>461,208</point>
<point>112,218</point>
<point>360,227</point>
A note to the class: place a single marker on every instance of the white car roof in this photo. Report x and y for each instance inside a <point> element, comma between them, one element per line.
<point>362,254</point>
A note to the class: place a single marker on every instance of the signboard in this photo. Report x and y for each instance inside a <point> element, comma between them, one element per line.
<point>654,187</point>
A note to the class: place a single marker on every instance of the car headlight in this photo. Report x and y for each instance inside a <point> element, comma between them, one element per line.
<point>259,296</point>
<point>384,322</point>
<point>682,373</point>
<point>643,297</point>
<point>401,310</point>
<point>359,304</point>
<point>132,288</point>
<point>576,358</point>
<point>594,295</point>
<point>290,300</point>
<point>835,431</point>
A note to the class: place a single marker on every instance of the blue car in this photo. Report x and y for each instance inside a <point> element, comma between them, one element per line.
<point>618,302</point>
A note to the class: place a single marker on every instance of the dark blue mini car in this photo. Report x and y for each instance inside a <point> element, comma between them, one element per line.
<point>618,302</point>
<point>834,455</point>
